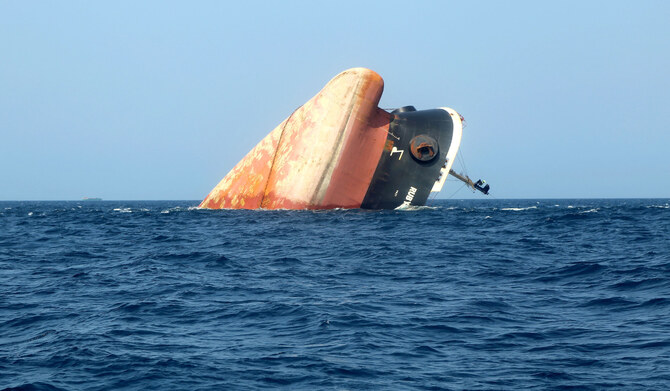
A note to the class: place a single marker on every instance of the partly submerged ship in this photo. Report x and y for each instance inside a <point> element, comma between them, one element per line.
<point>340,150</point>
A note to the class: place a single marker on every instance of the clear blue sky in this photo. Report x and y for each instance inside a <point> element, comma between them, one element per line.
<point>158,99</point>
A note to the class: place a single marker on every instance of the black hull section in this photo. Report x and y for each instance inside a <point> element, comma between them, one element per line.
<point>415,151</point>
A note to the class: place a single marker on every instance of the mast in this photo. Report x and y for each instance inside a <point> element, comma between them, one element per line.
<point>463,178</point>
<point>480,185</point>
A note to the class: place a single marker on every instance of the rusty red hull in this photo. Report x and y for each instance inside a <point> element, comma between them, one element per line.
<point>327,154</point>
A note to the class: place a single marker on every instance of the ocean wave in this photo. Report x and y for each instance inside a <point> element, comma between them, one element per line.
<point>415,208</point>
<point>98,298</point>
<point>182,209</point>
<point>519,209</point>
<point>37,386</point>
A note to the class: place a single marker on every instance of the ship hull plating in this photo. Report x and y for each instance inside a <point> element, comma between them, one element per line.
<point>340,150</point>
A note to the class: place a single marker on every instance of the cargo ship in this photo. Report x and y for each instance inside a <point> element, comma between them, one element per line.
<point>340,150</point>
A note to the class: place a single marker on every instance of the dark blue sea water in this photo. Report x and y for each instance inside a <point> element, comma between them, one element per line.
<point>486,295</point>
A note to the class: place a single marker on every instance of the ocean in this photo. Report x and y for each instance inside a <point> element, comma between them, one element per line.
<point>460,295</point>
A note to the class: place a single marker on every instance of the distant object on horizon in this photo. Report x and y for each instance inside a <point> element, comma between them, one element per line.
<point>91,199</point>
<point>340,150</point>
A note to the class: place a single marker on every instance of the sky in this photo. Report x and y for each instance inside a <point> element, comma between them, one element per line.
<point>158,100</point>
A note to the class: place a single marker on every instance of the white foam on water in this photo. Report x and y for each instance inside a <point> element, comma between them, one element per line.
<point>594,210</point>
<point>129,210</point>
<point>414,208</point>
<point>179,208</point>
<point>519,209</point>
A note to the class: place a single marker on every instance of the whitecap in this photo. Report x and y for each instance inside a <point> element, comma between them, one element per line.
<point>179,208</point>
<point>519,209</point>
<point>412,208</point>
<point>123,210</point>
